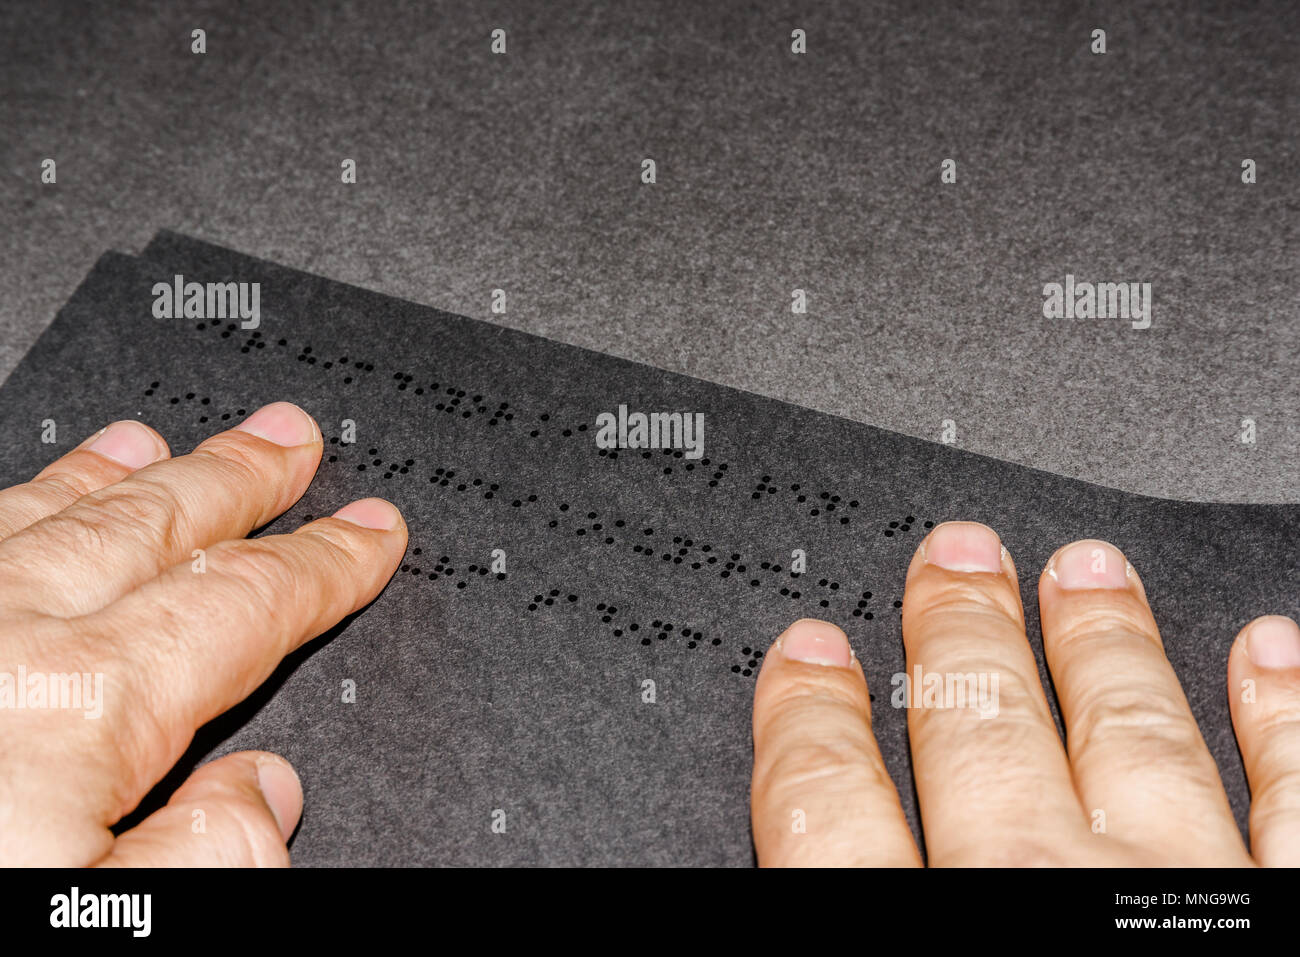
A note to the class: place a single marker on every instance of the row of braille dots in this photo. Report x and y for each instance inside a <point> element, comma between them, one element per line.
<point>403,380</point>
<point>203,401</point>
<point>681,552</point>
<point>450,405</point>
<point>445,569</point>
<point>658,629</point>
<point>694,638</point>
<point>441,476</point>
<point>612,454</point>
<point>827,502</point>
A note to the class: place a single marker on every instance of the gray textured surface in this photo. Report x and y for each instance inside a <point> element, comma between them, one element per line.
<point>469,700</point>
<point>775,172</point>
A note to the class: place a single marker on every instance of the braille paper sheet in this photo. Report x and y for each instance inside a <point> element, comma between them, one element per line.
<point>595,696</point>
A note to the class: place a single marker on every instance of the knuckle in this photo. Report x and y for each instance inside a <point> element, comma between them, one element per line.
<point>263,564</point>
<point>825,764</point>
<point>137,508</point>
<point>1125,619</point>
<point>813,687</point>
<point>1275,798</point>
<point>990,751</point>
<point>967,607</point>
<point>1143,721</point>
<point>814,734</point>
<point>241,458</point>
<point>340,545</point>
<point>268,580</point>
<point>63,485</point>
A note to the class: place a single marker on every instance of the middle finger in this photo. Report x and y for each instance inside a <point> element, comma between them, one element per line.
<point>991,774</point>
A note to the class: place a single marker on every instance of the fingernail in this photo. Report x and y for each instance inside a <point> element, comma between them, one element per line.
<point>816,642</point>
<point>282,792</point>
<point>964,547</point>
<point>282,423</point>
<point>370,513</point>
<point>1274,642</point>
<point>1089,564</point>
<point>128,443</point>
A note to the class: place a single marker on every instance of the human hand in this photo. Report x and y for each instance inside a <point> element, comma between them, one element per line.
<point>99,580</point>
<point>1138,785</point>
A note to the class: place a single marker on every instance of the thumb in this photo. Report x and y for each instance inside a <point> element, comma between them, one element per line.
<point>237,811</point>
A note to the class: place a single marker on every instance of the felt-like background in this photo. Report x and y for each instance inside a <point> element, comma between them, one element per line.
<point>467,700</point>
<point>775,172</point>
